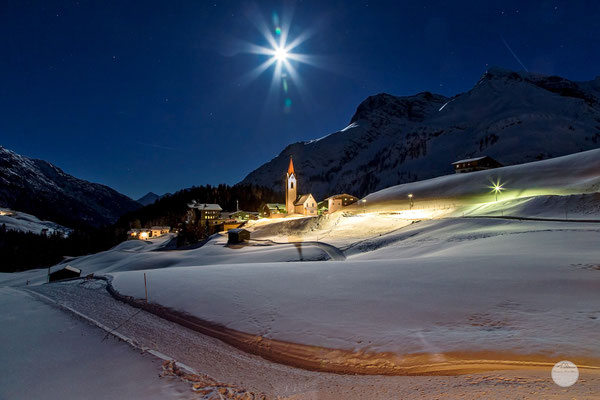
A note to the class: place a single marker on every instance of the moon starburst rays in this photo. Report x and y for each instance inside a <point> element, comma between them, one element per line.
<point>281,56</point>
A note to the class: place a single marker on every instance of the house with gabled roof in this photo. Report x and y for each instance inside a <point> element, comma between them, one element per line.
<point>475,164</point>
<point>306,205</point>
<point>272,210</point>
<point>338,201</point>
<point>206,211</point>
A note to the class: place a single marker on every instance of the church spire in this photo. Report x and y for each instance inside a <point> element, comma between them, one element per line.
<point>291,167</point>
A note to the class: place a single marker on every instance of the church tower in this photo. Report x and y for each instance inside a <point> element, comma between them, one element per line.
<point>291,188</point>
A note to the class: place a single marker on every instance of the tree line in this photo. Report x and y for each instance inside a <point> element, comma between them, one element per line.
<point>25,250</point>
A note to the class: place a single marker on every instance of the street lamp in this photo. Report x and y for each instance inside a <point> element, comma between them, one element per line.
<point>410,200</point>
<point>364,201</point>
<point>497,187</point>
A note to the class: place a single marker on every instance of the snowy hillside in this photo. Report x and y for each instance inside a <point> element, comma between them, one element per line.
<point>506,288</point>
<point>23,222</point>
<point>515,117</point>
<point>42,189</point>
<point>535,181</point>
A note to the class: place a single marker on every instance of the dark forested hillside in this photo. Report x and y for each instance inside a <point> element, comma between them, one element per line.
<point>171,209</point>
<point>26,250</point>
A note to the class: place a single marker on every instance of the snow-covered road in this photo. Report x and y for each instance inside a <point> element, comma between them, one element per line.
<point>246,372</point>
<point>49,354</point>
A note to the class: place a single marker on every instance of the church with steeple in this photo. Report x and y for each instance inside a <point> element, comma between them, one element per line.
<point>294,204</point>
<point>291,188</point>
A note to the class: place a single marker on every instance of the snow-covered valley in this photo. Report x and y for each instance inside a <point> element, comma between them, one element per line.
<point>457,283</point>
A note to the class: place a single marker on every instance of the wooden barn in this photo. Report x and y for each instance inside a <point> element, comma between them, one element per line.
<point>238,235</point>
<point>475,164</point>
<point>67,272</point>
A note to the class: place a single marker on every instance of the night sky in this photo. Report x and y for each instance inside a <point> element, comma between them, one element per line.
<point>158,96</point>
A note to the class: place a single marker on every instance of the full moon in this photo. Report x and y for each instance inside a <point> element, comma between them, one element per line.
<point>281,54</point>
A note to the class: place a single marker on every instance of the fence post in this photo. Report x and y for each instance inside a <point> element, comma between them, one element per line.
<point>145,288</point>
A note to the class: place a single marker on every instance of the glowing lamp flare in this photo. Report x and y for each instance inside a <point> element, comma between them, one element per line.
<point>497,187</point>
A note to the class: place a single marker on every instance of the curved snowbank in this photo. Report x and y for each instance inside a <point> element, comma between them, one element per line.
<point>516,290</point>
<point>572,174</point>
<point>355,362</point>
<point>135,255</point>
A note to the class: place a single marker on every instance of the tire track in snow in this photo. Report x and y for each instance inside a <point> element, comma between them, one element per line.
<point>206,386</point>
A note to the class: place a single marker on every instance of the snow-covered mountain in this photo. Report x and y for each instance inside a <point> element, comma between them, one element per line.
<point>40,188</point>
<point>514,117</point>
<point>19,221</point>
<point>148,198</point>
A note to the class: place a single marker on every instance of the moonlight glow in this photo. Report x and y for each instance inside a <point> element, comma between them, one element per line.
<point>282,58</point>
<point>280,54</point>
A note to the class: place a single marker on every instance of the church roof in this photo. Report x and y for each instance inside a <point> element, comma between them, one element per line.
<point>291,167</point>
<point>337,196</point>
<point>302,199</point>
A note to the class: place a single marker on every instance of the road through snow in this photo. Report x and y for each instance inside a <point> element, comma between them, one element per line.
<point>226,364</point>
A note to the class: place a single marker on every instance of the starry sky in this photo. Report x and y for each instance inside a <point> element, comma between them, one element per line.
<point>161,95</point>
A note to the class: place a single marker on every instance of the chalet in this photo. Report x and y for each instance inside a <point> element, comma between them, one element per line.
<point>206,212</point>
<point>306,205</point>
<point>475,164</point>
<point>338,201</point>
<point>8,213</point>
<point>237,236</point>
<point>143,234</point>
<point>272,210</point>
<point>147,233</point>
<point>67,272</point>
<point>240,215</point>
<point>156,231</point>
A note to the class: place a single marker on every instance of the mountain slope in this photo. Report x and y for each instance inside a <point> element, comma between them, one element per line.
<point>148,198</point>
<point>514,117</point>
<point>38,187</point>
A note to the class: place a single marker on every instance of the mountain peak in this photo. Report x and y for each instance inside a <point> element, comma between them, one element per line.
<point>514,117</point>
<point>413,108</point>
<point>495,72</point>
<point>148,198</point>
